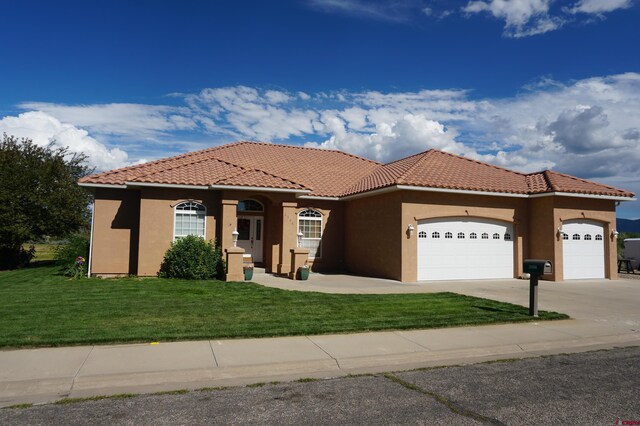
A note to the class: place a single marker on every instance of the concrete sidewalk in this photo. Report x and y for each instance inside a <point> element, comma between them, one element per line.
<point>44,375</point>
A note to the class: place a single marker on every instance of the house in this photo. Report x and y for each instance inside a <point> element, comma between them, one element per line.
<point>430,216</point>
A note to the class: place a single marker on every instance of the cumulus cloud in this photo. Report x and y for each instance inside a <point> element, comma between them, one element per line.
<point>587,127</point>
<point>44,129</point>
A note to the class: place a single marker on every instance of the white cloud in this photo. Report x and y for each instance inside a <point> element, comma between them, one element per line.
<point>599,6</point>
<point>131,120</point>
<point>522,17</point>
<point>44,129</point>
<point>393,11</point>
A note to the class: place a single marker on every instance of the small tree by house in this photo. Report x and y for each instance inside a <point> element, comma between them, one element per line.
<point>39,196</point>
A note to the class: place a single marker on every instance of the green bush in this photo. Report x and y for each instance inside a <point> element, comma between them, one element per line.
<point>192,258</point>
<point>73,256</point>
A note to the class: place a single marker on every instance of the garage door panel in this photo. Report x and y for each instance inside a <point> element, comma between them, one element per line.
<point>462,256</point>
<point>582,257</point>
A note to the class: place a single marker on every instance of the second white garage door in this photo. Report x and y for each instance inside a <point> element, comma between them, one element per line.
<point>463,248</point>
<point>582,250</point>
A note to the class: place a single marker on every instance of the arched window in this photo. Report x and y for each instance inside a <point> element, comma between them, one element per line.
<point>485,236</point>
<point>565,236</point>
<point>461,235</point>
<point>435,235</point>
<point>448,235</point>
<point>598,237</point>
<point>507,236</point>
<point>422,234</point>
<point>587,237</point>
<point>576,236</point>
<point>310,224</point>
<point>496,236</point>
<point>189,220</point>
<point>473,236</point>
<point>249,206</point>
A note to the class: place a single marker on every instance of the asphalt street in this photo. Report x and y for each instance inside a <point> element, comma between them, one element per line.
<point>593,388</point>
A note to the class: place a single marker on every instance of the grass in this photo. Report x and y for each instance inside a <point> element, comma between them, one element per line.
<point>44,252</point>
<point>42,308</point>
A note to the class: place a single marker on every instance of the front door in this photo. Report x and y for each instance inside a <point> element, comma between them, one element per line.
<point>250,236</point>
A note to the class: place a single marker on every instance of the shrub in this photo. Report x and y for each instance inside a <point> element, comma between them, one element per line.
<point>192,258</point>
<point>72,256</point>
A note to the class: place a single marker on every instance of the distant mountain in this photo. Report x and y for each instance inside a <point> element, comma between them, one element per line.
<point>628,225</point>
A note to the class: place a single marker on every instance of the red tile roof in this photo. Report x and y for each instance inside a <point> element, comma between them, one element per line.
<point>330,173</point>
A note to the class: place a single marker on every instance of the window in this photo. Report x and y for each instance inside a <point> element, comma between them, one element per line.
<point>435,235</point>
<point>461,235</point>
<point>189,220</point>
<point>507,237</point>
<point>576,236</point>
<point>565,236</point>
<point>310,224</point>
<point>422,234</point>
<point>598,237</point>
<point>473,236</point>
<point>249,206</point>
<point>587,237</point>
<point>496,236</point>
<point>485,236</point>
<point>448,235</point>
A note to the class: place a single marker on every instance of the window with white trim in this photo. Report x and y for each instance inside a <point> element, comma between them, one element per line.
<point>422,234</point>
<point>576,236</point>
<point>461,235</point>
<point>473,236</point>
<point>598,237</point>
<point>310,224</point>
<point>507,236</point>
<point>448,235</point>
<point>587,237</point>
<point>565,236</point>
<point>189,220</point>
<point>496,236</point>
<point>485,236</point>
<point>435,234</point>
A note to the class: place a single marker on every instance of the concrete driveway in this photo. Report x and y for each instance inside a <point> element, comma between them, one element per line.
<point>616,302</point>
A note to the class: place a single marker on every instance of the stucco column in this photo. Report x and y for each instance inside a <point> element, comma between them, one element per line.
<point>299,257</point>
<point>289,236</point>
<point>228,223</point>
<point>234,264</point>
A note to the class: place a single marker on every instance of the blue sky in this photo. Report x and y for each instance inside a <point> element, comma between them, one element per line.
<point>524,84</point>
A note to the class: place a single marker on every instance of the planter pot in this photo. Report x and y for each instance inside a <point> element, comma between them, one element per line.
<point>303,273</point>
<point>248,274</point>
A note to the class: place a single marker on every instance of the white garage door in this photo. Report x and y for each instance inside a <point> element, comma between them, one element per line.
<point>582,250</point>
<point>463,248</point>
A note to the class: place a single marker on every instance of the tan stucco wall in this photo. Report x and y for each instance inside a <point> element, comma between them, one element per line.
<point>373,236</point>
<point>157,221</point>
<point>419,205</point>
<point>115,232</point>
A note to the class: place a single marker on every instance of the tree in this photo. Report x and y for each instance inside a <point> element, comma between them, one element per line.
<point>39,196</point>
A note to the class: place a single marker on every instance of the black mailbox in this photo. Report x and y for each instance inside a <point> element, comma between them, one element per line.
<point>537,266</point>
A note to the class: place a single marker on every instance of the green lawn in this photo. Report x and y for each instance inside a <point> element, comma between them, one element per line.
<point>38,307</point>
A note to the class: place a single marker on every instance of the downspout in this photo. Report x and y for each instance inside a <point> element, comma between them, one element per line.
<point>93,213</point>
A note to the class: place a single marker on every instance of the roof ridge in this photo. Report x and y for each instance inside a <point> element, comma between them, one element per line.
<point>306,148</point>
<point>251,169</point>
<point>479,162</point>
<point>422,156</point>
<point>159,161</point>
<point>581,180</point>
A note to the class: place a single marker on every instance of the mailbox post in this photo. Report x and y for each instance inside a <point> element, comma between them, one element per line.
<point>535,268</point>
